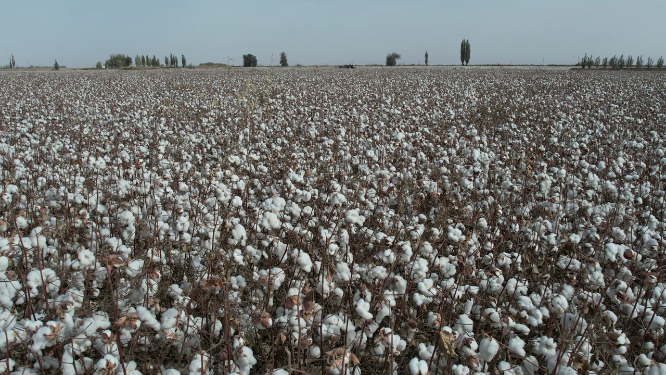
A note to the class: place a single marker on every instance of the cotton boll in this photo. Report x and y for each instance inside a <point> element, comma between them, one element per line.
<point>4,262</point>
<point>108,364</point>
<point>4,363</point>
<point>418,366</point>
<point>270,221</point>
<point>303,260</point>
<point>559,304</point>
<point>517,345</point>
<point>134,267</point>
<point>488,348</point>
<point>464,325</point>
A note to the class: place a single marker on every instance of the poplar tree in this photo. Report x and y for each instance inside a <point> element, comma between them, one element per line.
<point>426,58</point>
<point>283,59</point>
<point>467,52</point>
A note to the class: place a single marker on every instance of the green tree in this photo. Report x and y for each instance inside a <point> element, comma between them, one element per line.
<point>283,59</point>
<point>184,61</point>
<point>99,65</point>
<point>590,61</point>
<point>620,62</point>
<point>137,61</point>
<point>605,62</point>
<point>649,63</point>
<point>639,62</point>
<point>143,60</point>
<point>463,53</point>
<point>249,60</point>
<point>583,62</point>
<point>660,62</point>
<point>426,58</point>
<point>630,61</point>
<point>392,59</point>
<point>597,62</point>
<point>468,51</point>
<point>56,66</point>
<point>166,61</point>
<point>12,63</point>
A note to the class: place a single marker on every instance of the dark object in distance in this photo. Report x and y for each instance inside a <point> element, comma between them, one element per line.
<point>350,66</point>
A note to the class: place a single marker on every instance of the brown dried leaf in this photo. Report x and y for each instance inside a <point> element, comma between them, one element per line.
<point>447,342</point>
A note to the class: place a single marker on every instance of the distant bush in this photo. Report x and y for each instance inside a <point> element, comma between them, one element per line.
<point>118,61</point>
<point>392,59</point>
<point>249,60</point>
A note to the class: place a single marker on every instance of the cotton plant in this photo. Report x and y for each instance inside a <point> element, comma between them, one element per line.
<point>332,217</point>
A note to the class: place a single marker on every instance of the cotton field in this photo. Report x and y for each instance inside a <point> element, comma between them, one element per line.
<point>333,221</point>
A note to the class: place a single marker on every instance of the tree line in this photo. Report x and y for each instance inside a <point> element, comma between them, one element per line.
<point>119,61</point>
<point>619,62</point>
<point>465,53</point>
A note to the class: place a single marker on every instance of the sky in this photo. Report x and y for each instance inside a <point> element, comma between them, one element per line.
<point>78,33</point>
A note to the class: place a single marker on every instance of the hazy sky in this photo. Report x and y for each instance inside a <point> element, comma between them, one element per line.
<point>79,33</point>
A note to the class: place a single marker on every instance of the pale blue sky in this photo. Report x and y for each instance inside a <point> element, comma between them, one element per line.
<point>79,33</point>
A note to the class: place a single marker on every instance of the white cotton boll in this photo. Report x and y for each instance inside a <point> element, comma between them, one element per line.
<point>352,216</point>
<point>170,318</point>
<point>517,345</point>
<point>455,234</point>
<point>270,221</point>
<point>304,261</point>
<point>171,372</point>
<point>418,366</point>
<point>546,346</point>
<point>196,367</point>
<point>148,318</point>
<point>343,273</point>
<point>482,223</point>
<point>657,369</point>
<point>108,364</point>
<point>314,352</point>
<point>86,258</point>
<point>488,348</point>
<point>4,263</point>
<point>559,304</point>
<point>363,308</point>
<point>426,288</point>
<point>280,372</point>
<point>239,235</point>
<point>21,222</point>
<point>3,365</point>
<point>463,325</point>
<point>134,267</point>
<point>530,365</point>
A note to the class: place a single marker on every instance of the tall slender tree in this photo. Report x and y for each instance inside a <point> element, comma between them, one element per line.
<point>463,53</point>
<point>468,51</point>
<point>426,58</point>
<point>283,59</point>
<point>183,60</point>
